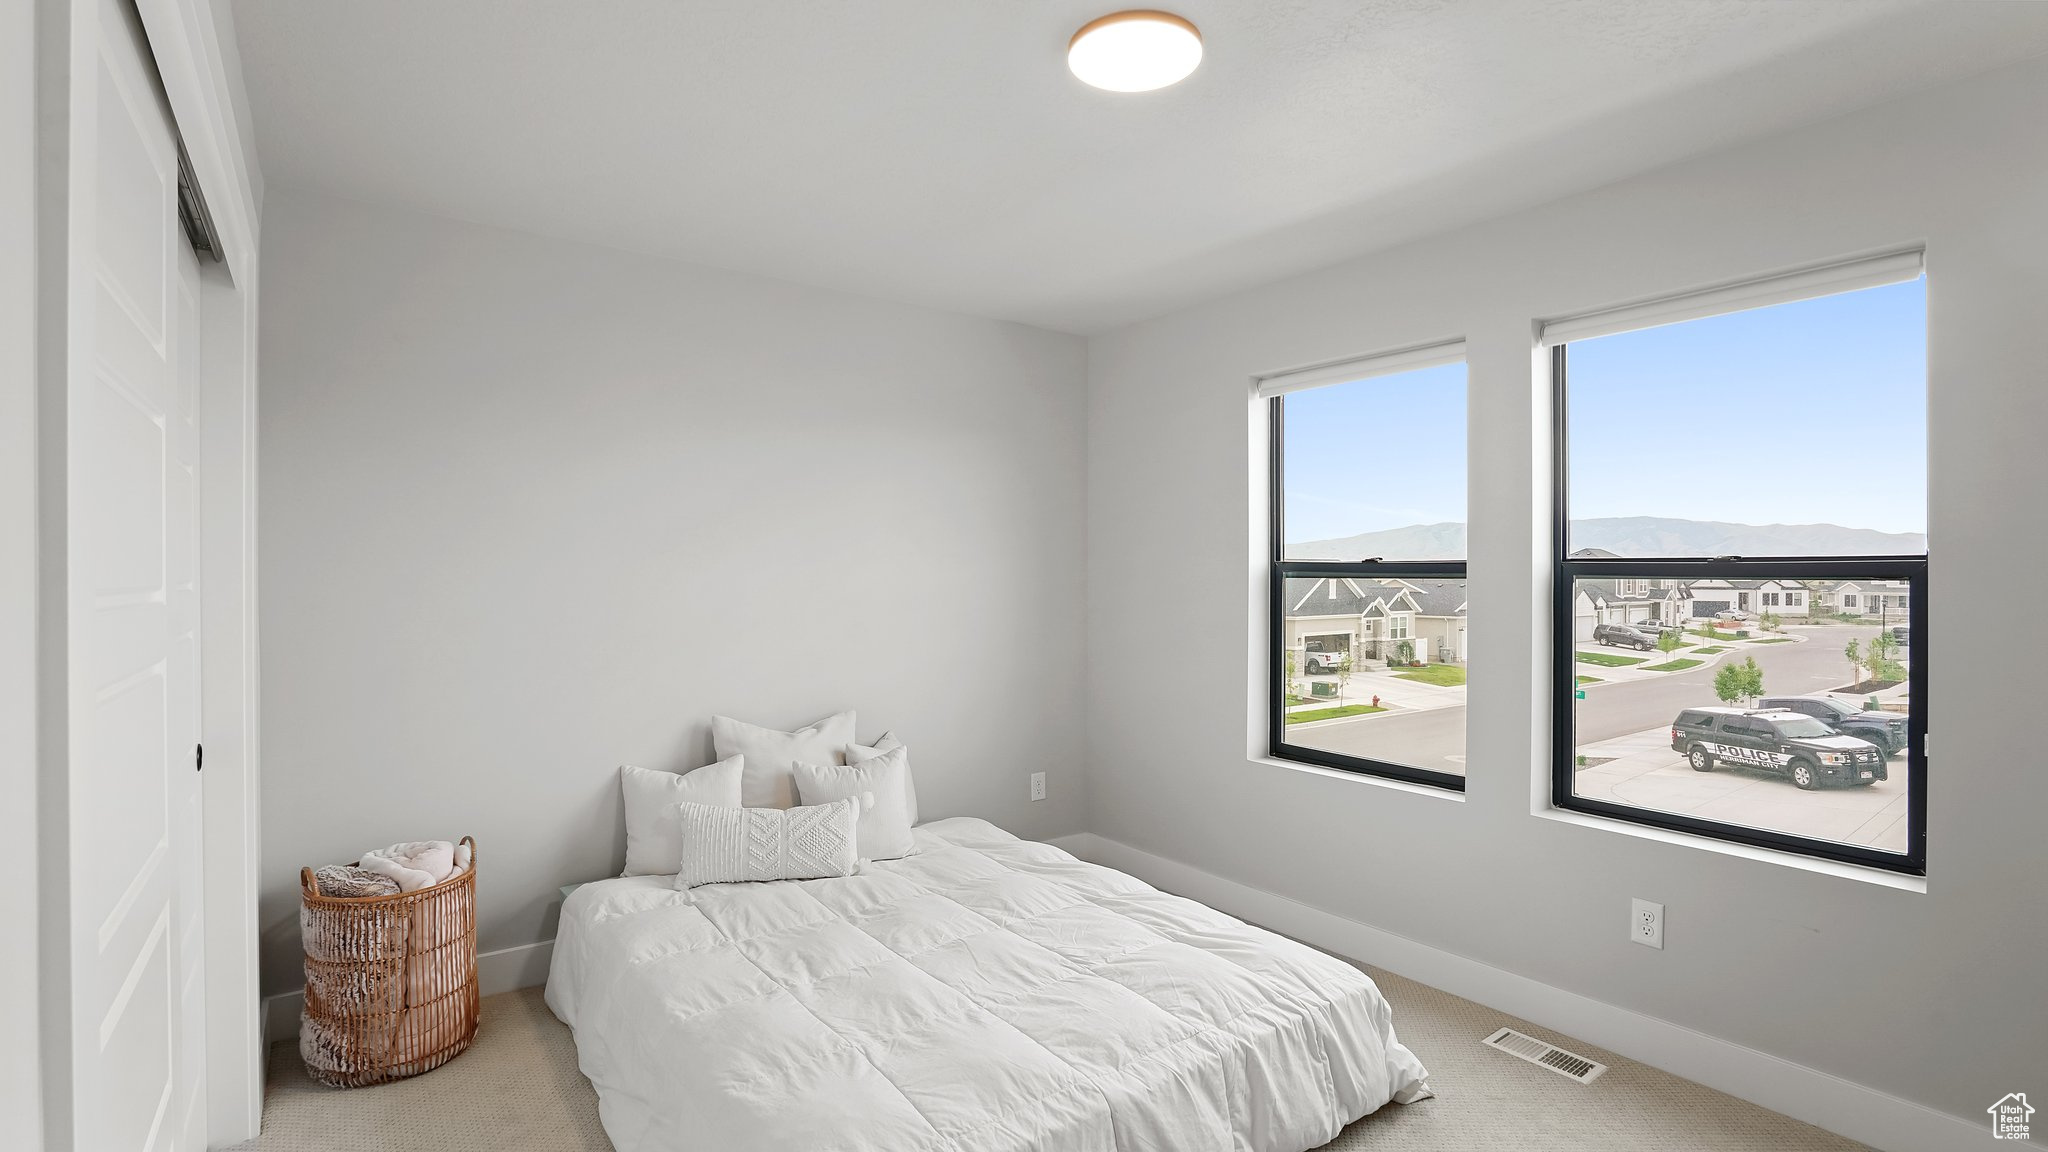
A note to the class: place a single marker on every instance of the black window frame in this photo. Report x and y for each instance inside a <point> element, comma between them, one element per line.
<point>1566,573</point>
<point>1284,570</point>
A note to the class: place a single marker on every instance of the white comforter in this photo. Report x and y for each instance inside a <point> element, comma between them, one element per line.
<point>987,993</point>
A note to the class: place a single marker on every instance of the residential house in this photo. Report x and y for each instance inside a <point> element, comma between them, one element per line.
<point>1626,601</point>
<point>1787,599</point>
<point>1883,601</point>
<point>1370,618</point>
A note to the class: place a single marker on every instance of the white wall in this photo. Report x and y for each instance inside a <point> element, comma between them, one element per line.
<point>20,1084</point>
<point>531,510</point>
<point>1933,996</point>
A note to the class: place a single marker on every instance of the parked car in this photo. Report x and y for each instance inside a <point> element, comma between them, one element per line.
<point>1807,751</point>
<point>1624,636</point>
<point>1323,663</point>
<point>1887,730</point>
<point>1731,617</point>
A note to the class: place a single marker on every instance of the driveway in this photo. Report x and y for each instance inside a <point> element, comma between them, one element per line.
<point>1642,771</point>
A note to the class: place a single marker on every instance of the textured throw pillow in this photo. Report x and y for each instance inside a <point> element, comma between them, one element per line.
<point>855,753</point>
<point>884,825</point>
<point>729,845</point>
<point>769,754</point>
<point>654,834</point>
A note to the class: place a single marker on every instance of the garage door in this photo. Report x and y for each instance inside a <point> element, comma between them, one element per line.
<point>1708,607</point>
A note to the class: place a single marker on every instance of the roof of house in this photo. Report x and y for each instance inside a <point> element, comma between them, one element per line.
<point>1610,591</point>
<point>1334,595</point>
<point>1313,595</point>
<point>1438,597</point>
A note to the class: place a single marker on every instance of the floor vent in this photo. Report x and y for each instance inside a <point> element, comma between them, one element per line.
<point>1566,1064</point>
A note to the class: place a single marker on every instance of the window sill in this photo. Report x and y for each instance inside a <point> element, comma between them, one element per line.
<point>1360,778</point>
<point>1878,876</point>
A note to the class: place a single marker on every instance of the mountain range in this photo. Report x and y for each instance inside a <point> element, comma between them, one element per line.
<point>1631,536</point>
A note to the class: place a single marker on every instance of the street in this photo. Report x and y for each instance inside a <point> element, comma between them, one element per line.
<point>1799,669</point>
<point>1435,739</point>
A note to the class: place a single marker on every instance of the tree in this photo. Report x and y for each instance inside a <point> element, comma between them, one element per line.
<point>1880,656</point>
<point>1854,652</point>
<point>1343,670</point>
<point>1293,688</point>
<point>1771,622</point>
<point>1668,642</point>
<point>1728,683</point>
<point>1744,681</point>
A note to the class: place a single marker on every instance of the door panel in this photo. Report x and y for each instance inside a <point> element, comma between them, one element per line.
<point>188,855</point>
<point>132,557</point>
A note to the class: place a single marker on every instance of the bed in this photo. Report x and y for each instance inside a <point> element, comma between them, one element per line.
<point>986,993</point>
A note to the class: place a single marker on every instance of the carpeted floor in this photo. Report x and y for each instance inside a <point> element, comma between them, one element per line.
<point>518,1088</point>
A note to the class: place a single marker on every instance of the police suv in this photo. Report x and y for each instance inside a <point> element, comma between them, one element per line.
<point>1801,747</point>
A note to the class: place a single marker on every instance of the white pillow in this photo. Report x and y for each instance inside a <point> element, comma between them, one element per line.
<point>884,826</point>
<point>730,845</point>
<point>769,754</point>
<point>654,835</point>
<point>855,753</point>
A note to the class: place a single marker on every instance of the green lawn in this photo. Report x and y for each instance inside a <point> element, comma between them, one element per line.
<point>1442,675</point>
<point>1774,640</point>
<point>1707,651</point>
<point>1674,666</point>
<point>1606,661</point>
<point>1591,680</point>
<point>1308,714</point>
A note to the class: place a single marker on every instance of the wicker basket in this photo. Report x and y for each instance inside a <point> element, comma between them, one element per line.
<point>390,980</point>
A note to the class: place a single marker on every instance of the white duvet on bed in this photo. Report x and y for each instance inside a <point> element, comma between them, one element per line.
<point>986,993</point>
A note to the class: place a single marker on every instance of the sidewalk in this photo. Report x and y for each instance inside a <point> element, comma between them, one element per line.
<point>1394,693</point>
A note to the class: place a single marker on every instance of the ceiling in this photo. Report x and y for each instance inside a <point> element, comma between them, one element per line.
<point>938,152</point>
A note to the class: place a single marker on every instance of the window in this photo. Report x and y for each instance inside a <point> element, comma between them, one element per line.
<point>1802,732</point>
<point>1368,479</point>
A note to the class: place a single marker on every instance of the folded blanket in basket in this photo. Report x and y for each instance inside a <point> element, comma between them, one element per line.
<point>418,864</point>
<point>347,882</point>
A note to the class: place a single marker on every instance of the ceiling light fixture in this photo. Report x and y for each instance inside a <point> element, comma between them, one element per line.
<point>1135,51</point>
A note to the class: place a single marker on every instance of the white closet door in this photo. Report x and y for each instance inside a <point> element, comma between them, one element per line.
<point>133,615</point>
<point>187,886</point>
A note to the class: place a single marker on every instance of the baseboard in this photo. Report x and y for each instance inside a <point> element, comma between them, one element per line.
<point>1076,843</point>
<point>1819,1098</point>
<point>504,970</point>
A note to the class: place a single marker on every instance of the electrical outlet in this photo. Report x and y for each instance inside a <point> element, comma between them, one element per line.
<point>1038,785</point>
<point>1646,923</point>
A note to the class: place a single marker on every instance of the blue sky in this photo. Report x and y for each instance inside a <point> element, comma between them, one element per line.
<point>1384,452</point>
<point>1809,412</point>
